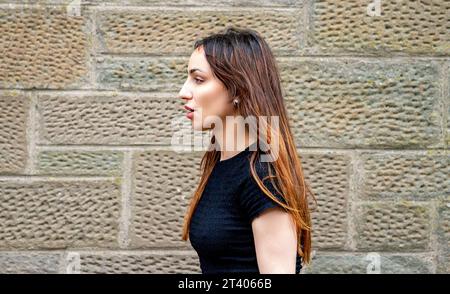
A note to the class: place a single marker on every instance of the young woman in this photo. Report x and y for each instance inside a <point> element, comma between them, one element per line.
<point>249,212</point>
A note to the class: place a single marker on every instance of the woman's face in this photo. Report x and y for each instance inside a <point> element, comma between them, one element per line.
<point>204,93</point>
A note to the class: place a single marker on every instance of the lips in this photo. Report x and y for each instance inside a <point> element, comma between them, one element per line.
<point>188,108</point>
<point>190,114</point>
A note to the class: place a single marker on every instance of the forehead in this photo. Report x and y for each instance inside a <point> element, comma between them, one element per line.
<point>198,60</point>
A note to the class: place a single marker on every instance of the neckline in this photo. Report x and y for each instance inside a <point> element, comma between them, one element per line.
<point>238,155</point>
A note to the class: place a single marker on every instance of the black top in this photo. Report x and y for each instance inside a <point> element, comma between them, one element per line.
<point>220,229</point>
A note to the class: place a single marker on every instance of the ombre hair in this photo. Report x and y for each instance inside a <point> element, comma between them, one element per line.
<point>243,61</point>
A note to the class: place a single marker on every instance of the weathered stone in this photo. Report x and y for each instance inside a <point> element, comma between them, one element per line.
<point>328,176</point>
<point>108,118</point>
<point>366,263</point>
<point>354,104</point>
<point>443,232</point>
<point>164,31</point>
<point>447,101</point>
<point>182,3</point>
<point>409,27</point>
<point>59,214</point>
<point>164,181</point>
<point>13,132</point>
<point>79,162</point>
<point>29,262</point>
<point>143,74</point>
<point>43,48</point>
<point>139,262</point>
<point>393,226</point>
<point>398,175</point>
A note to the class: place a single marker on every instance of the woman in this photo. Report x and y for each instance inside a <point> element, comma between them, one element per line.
<point>247,214</point>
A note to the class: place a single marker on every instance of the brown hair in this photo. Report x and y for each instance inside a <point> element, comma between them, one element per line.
<point>243,61</point>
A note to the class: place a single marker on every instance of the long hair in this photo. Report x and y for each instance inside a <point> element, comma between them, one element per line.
<point>243,61</point>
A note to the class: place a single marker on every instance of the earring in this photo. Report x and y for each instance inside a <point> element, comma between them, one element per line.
<point>235,102</point>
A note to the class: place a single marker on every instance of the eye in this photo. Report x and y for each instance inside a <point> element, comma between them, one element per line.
<point>198,81</point>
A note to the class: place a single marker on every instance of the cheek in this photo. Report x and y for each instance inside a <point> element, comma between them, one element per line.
<point>213,99</point>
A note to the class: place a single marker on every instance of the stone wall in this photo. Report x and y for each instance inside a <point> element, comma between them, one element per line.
<point>88,179</point>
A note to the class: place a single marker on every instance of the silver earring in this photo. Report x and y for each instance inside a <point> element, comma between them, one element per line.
<point>235,102</point>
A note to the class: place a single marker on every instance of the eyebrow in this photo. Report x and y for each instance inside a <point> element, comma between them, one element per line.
<point>194,69</point>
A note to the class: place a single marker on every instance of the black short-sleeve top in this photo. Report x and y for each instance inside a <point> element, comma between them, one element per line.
<point>220,229</point>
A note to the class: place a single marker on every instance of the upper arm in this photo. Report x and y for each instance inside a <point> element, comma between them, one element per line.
<point>273,228</point>
<point>275,241</point>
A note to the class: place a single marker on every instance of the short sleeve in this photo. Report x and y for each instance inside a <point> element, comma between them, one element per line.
<point>252,199</point>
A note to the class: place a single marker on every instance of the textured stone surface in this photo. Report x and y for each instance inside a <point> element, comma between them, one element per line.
<point>79,162</point>
<point>393,226</point>
<point>328,177</point>
<point>164,31</point>
<point>140,262</point>
<point>443,265</point>
<point>413,27</point>
<point>42,48</point>
<point>447,101</point>
<point>416,176</point>
<point>108,119</point>
<point>367,98</point>
<point>360,104</point>
<point>361,263</point>
<point>213,3</point>
<point>13,125</point>
<point>29,262</point>
<point>143,74</point>
<point>59,214</point>
<point>163,184</point>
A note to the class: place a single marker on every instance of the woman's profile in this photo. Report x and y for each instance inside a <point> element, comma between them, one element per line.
<point>249,212</point>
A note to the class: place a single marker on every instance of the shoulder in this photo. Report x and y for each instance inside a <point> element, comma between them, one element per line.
<point>251,196</point>
<point>262,168</point>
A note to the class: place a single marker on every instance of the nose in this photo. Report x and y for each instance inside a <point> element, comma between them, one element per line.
<point>185,93</point>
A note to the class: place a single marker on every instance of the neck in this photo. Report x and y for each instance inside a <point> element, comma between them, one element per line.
<point>231,141</point>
